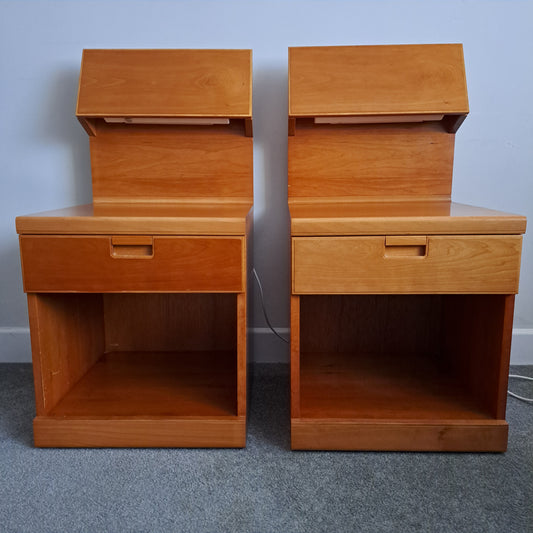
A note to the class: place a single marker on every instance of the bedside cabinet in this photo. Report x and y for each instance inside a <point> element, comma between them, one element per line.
<point>137,302</point>
<point>402,300</point>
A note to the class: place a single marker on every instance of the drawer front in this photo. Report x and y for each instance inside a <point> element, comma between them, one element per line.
<point>132,264</point>
<point>406,265</point>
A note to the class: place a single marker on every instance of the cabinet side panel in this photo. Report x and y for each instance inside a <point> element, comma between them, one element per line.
<point>35,334</point>
<point>477,340</point>
<point>295,356</point>
<point>68,341</point>
<point>241,354</point>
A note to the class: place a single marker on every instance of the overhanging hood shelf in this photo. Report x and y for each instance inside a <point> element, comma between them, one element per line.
<point>174,87</point>
<point>378,84</point>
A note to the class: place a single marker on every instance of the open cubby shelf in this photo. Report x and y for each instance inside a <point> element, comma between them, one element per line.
<point>137,358</point>
<point>396,357</point>
<point>149,354</point>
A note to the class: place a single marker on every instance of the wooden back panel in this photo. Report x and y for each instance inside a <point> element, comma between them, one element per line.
<point>406,324</point>
<point>377,80</point>
<point>165,83</point>
<point>170,322</point>
<point>165,163</point>
<point>370,161</point>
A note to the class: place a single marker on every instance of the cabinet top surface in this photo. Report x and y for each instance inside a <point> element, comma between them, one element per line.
<point>377,80</point>
<point>394,217</point>
<point>165,83</point>
<point>177,218</point>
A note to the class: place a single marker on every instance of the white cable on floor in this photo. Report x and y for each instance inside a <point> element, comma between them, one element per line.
<point>264,308</point>
<point>523,398</point>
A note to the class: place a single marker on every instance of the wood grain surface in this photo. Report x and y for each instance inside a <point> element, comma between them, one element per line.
<point>67,338</point>
<point>374,80</point>
<point>165,163</point>
<point>452,264</point>
<point>183,217</point>
<point>340,216</point>
<point>384,435</point>
<point>295,356</point>
<point>140,432</point>
<point>150,383</point>
<point>178,264</point>
<point>165,83</point>
<point>404,161</point>
<point>479,346</point>
<point>170,322</point>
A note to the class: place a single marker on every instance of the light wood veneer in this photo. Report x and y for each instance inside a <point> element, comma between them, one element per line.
<point>402,301</point>
<point>436,265</point>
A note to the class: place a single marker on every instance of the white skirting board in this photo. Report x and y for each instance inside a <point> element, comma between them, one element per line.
<point>15,345</point>
<point>264,347</point>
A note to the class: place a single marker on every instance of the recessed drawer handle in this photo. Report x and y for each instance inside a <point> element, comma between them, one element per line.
<point>406,246</point>
<point>132,247</point>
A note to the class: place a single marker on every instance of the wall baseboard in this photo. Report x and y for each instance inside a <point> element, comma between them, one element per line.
<point>15,345</point>
<point>265,347</point>
<point>522,346</point>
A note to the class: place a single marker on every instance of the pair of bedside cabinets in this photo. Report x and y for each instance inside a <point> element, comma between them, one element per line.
<point>402,301</point>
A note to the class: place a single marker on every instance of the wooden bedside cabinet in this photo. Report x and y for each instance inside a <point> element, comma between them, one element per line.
<point>402,301</point>
<point>137,302</point>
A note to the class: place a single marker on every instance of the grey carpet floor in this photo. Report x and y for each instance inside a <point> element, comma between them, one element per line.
<point>263,488</point>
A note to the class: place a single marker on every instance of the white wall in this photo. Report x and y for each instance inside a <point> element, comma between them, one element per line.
<point>44,152</point>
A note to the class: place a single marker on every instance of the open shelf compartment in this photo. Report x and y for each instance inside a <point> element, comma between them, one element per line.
<point>414,372</point>
<point>138,369</point>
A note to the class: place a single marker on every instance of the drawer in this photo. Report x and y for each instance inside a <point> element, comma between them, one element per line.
<point>406,264</point>
<point>132,264</point>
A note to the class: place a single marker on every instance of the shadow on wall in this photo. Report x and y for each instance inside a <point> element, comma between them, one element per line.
<point>271,215</point>
<point>59,126</point>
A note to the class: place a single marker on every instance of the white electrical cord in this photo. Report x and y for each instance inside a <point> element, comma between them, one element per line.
<point>264,308</point>
<point>523,398</point>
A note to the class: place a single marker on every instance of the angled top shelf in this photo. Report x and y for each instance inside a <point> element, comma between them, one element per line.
<point>165,83</point>
<point>377,81</point>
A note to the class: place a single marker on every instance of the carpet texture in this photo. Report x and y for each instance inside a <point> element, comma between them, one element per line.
<point>263,488</point>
